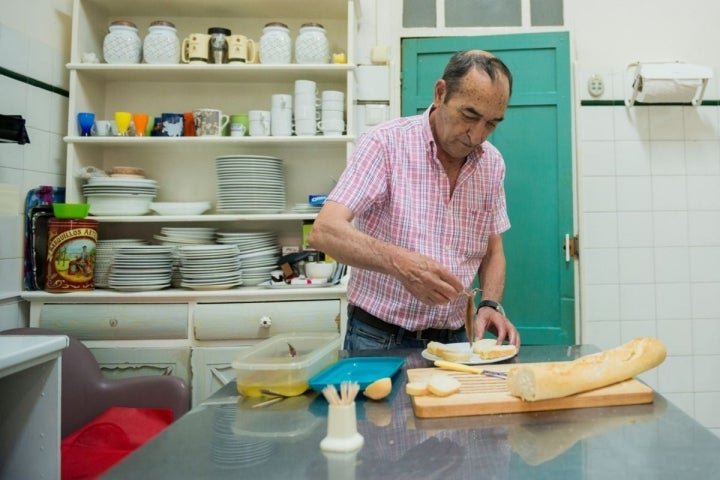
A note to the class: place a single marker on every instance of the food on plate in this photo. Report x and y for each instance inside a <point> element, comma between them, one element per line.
<point>458,367</point>
<point>451,353</point>
<point>417,388</point>
<point>378,389</point>
<point>443,385</point>
<point>488,349</point>
<point>560,379</point>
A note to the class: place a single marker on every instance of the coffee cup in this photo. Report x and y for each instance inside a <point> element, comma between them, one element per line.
<point>102,128</point>
<point>171,124</point>
<point>209,122</point>
<point>332,115</point>
<point>195,48</point>
<point>333,95</point>
<point>259,123</point>
<point>305,111</point>
<point>331,127</point>
<point>239,125</point>
<point>305,86</point>
<point>333,105</point>
<point>305,126</point>
<point>241,49</point>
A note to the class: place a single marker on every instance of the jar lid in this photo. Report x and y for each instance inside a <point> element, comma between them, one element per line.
<point>162,23</point>
<point>124,23</point>
<point>276,24</point>
<point>312,24</point>
<point>221,30</point>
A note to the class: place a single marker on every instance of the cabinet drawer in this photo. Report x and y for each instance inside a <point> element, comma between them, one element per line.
<point>117,321</point>
<point>212,370</point>
<point>224,321</point>
<point>134,362</point>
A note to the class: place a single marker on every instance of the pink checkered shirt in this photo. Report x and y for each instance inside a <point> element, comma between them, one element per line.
<point>399,193</point>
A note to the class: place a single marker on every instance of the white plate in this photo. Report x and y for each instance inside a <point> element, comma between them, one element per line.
<point>464,347</point>
<point>284,286</point>
<point>180,208</point>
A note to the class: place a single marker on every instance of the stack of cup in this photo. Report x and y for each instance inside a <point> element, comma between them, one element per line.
<point>332,117</point>
<point>281,115</point>
<point>305,112</point>
<point>259,123</point>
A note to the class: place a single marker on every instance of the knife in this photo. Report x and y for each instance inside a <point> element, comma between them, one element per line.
<point>460,367</point>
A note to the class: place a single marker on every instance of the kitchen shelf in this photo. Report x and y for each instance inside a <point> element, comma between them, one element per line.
<point>340,140</point>
<point>212,217</point>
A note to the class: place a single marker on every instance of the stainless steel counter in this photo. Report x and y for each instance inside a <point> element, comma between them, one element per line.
<point>225,438</point>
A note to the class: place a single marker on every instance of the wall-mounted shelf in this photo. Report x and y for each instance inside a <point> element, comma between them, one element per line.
<point>676,82</point>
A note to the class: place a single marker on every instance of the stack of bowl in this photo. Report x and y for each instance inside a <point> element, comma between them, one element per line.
<point>119,196</point>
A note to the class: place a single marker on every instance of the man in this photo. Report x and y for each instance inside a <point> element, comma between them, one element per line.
<point>427,198</point>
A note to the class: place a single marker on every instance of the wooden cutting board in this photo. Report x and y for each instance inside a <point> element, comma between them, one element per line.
<point>482,395</point>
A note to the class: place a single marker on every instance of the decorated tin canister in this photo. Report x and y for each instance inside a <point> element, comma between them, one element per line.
<point>71,255</point>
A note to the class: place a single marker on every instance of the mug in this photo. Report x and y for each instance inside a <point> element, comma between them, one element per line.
<point>305,86</point>
<point>239,125</point>
<point>281,101</point>
<point>195,48</point>
<point>305,126</point>
<point>331,127</point>
<point>102,128</point>
<point>259,123</point>
<point>332,115</point>
<point>241,49</point>
<point>188,124</point>
<point>333,95</point>
<point>86,120</point>
<point>209,122</point>
<point>333,105</point>
<point>171,124</point>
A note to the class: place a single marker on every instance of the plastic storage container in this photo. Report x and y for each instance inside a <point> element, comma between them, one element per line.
<point>269,366</point>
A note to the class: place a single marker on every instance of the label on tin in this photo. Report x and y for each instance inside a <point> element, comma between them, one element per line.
<point>71,257</point>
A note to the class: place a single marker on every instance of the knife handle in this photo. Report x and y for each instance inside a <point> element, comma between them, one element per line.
<point>458,367</point>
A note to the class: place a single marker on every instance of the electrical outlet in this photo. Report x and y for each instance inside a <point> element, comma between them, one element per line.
<point>596,86</point>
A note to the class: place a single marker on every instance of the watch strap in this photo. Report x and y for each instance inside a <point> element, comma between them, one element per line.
<point>492,304</point>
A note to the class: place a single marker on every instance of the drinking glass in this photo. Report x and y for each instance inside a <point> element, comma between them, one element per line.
<point>122,119</point>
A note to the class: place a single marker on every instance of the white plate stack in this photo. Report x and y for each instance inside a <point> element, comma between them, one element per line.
<point>210,267</point>
<point>104,254</point>
<point>119,195</point>
<point>259,253</point>
<point>250,184</point>
<point>178,236</point>
<point>142,267</point>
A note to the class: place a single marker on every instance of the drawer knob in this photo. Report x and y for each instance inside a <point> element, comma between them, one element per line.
<point>113,322</point>
<point>265,321</point>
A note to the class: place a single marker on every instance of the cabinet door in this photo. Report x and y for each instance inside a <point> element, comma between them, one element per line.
<point>259,320</point>
<point>212,369</point>
<point>133,362</point>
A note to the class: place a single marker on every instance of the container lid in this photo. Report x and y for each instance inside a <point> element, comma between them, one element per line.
<point>312,24</point>
<point>162,23</point>
<point>276,24</point>
<point>221,30</point>
<point>274,353</point>
<point>123,23</point>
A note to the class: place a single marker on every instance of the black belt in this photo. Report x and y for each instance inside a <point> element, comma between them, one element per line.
<point>437,334</point>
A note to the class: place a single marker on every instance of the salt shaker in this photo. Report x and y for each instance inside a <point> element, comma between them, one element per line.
<point>218,44</point>
<point>311,45</point>
<point>122,44</point>
<point>275,43</point>
<point>161,44</point>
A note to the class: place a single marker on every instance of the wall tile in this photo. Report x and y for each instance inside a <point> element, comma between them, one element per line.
<point>705,300</point>
<point>635,229</point>
<point>706,411</point>
<point>634,193</point>
<point>672,264</point>
<point>637,302</point>
<point>636,265</point>
<point>705,373</point>
<point>666,123</point>
<point>701,123</point>
<point>596,158</point>
<point>602,303</point>
<point>633,158</point>
<point>11,246</point>
<point>667,158</point>
<point>703,228</point>
<point>11,279</point>
<point>598,194</point>
<point>599,230</point>
<point>705,264</point>
<point>596,123</point>
<point>704,193</point>
<point>702,157</point>
<point>604,335</point>
<point>684,401</point>
<point>673,374</point>
<point>677,334</point>
<point>670,229</point>
<point>669,193</point>
<point>672,301</point>
<point>600,266</point>
<point>706,336</point>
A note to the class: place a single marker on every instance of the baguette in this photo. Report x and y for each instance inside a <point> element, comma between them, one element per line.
<point>560,379</point>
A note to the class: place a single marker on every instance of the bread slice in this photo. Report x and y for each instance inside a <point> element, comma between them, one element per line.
<point>488,349</point>
<point>443,385</point>
<point>560,379</point>
<point>417,388</point>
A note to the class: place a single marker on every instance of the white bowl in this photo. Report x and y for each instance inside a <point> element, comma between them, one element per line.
<point>180,208</point>
<point>319,270</point>
<point>119,204</point>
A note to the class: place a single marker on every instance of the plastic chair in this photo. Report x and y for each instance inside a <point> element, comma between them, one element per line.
<point>86,393</point>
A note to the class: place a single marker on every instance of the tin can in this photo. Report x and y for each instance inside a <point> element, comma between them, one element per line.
<point>71,255</point>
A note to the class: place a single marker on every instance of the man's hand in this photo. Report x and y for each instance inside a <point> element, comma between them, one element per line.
<point>427,280</point>
<point>489,319</point>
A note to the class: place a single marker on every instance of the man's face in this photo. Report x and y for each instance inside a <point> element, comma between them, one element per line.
<point>466,118</point>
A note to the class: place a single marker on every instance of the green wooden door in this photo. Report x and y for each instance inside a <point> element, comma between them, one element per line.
<point>535,139</point>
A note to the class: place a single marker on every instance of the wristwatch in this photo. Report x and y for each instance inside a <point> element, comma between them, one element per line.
<point>494,305</point>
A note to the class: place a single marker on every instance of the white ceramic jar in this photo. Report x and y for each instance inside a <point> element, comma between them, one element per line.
<point>161,44</point>
<point>122,44</point>
<point>311,44</point>
<point>275,43</point>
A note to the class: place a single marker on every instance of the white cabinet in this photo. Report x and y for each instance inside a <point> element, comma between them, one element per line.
<point>175,322</point>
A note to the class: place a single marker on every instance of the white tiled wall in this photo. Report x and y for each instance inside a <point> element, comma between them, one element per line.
<point>649,199</point>
<point>34,41</point>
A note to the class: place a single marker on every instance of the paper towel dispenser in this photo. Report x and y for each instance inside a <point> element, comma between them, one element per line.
<point>674,82</point>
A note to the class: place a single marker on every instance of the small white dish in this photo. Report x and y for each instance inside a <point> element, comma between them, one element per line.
<point>180,208</point>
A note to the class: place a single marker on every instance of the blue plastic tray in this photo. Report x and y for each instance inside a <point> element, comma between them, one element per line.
<point>363,370</point>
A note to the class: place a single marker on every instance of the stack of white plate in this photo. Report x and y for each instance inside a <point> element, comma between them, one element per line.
<point>210,267</point>
<point>104,254</point>
<point>142,267</point>
<point>259,252</point>
<point>178,236</point>
<point>119,196</point>
<point>250,184</point>
<point>305,208</point>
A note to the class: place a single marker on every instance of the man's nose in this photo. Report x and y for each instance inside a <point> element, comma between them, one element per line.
<point>479,132</point>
